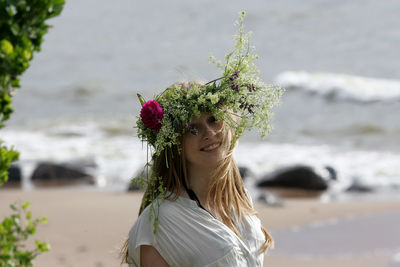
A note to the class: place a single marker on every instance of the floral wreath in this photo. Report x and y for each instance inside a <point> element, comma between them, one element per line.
<point>239,90</point>
<point>163,120</point>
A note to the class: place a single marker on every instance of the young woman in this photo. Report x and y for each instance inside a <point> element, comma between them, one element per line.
<point>195,211</point>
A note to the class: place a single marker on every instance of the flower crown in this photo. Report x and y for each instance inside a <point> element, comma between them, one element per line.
<point>238,92</point>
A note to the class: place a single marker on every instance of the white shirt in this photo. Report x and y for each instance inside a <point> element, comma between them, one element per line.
<point>187,235</point>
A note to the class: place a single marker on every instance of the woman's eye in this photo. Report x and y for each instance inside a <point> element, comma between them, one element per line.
<point>193,130</point>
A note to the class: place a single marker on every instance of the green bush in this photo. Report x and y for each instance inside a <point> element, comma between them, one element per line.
<point>22,27</point>
<point>14,231</point>
<point>6,157</point>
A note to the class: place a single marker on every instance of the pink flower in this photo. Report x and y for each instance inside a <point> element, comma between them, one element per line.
<point>152,115</point>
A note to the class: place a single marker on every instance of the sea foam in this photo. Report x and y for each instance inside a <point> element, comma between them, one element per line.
<point>341,86</point>
<point>120,157</point>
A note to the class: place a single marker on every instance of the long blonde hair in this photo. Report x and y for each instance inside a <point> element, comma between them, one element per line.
<point>226,190</point>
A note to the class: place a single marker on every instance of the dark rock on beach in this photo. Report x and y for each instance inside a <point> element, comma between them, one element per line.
<point>14,174</point>
<point>54,174</point>
<point>297,177</point>
<point>359,186</point>
<point>270,199</point>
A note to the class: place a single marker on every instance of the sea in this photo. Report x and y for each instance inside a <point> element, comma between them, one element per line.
<point>338,62</point>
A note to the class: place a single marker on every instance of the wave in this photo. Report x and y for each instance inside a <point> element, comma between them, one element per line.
<point>341,86</point>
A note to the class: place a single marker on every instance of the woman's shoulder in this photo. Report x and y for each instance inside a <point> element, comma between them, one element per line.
<point>161,209</point>
<point>146,229</point>
<point>164,207</point>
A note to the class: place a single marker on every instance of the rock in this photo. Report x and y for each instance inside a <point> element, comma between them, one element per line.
<point>14,174</point>
<point>48,174</point>
<point>360,186</point>
<point>270,199</point>
<point>296,177</point>
<point>332,173</point>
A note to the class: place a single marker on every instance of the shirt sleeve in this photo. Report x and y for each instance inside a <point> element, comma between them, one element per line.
<point>140,234</point>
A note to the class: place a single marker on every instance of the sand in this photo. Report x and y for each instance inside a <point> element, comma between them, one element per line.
<point>87,228</point>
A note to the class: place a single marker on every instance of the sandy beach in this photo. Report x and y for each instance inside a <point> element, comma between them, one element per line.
<point>87,228</point>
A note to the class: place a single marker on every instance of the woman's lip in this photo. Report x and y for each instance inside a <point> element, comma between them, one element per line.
<point>218,145</point>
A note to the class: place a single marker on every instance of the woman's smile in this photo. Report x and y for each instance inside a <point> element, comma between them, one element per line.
<point>211,148</point>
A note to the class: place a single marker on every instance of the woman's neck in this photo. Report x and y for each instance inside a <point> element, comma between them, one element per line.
<point>199,178</point>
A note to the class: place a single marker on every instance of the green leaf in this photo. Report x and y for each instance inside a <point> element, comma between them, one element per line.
<point>2,230</point>
<point>26,205</point>
<point>15,29</point>
<point>141,99</point>
<point>42,246</point>
<point>15,83</point>
<point>11,10</point>
<point>43,220</point>
<point>6,47</point>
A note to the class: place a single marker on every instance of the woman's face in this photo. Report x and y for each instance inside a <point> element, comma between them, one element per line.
<point>203,141</point>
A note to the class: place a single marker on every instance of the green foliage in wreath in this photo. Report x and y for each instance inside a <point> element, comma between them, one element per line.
<point>239,97</point>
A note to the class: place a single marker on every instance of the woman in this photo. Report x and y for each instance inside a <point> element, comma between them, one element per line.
<point>195,211</point>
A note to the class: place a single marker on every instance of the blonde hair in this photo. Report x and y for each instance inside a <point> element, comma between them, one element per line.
<point>225,191</point>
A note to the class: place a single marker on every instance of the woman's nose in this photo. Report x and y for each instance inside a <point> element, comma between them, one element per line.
<point>209,132</point>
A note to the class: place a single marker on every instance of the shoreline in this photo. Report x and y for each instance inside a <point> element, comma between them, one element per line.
<point>87,228</point>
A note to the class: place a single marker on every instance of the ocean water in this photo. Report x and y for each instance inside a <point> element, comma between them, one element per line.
<point>338,62</point>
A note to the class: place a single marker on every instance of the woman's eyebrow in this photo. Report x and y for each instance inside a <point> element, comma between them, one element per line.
<point>194,123</point>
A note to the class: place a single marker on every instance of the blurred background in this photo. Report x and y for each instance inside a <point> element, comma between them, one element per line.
<point>337,61</point>
<point>338,120</point>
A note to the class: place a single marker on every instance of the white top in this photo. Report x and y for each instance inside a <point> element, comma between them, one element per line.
<point>187,235</point>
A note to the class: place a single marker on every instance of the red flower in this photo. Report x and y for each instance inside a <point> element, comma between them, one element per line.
<point>152,115</point>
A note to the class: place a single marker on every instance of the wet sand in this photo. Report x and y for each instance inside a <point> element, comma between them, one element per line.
<point>87,228</point>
